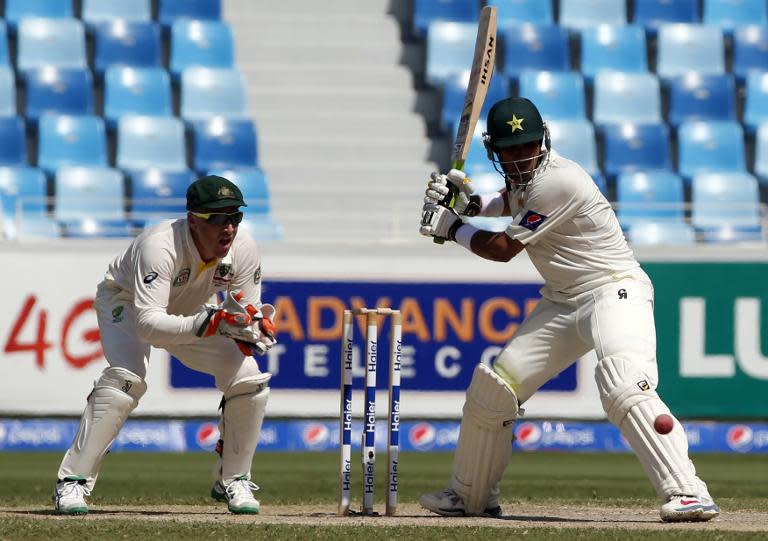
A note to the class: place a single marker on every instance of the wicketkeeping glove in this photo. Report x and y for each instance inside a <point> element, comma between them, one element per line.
<point>454,185</point>
<point>252,328</point>
<point>439,221</point>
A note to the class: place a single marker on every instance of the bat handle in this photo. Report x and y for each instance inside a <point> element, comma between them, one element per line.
<point>450,198</point>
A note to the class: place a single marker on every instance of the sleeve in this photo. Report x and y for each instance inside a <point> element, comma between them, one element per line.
<point>557,199</point>
<point>248,271</point>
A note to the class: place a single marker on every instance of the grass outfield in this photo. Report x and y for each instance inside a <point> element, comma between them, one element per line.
<point>306,484</point>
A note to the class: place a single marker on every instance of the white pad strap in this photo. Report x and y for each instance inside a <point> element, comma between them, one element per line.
<point>633,405</point>
<point>485,440</point>
<point>245,403</point>
<point>115,395</point>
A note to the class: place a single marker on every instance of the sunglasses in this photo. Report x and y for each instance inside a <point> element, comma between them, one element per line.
<point>220,218</point>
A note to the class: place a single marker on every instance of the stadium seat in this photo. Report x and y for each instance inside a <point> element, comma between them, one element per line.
<point>209,92</point>
<point>221,143</point>
<point>13,141</point>
<point>755,100</point>
<point>725,200</point>
<point>145,142</point>
<point>667,233</point>
<point>136,44</point>
<point>428,11</point>
<point>649,196</point>
<point>104,11</point>
<point>612,48</point>
<point>16,10</point>
<point>705,147</point>
<point>477,162</point>
<point>170,10</point>
<point>533,47</point>
<point>731,14</point>
<point>24,203</point>
<point>523,11</point>
<point>136,91</point>
<point>651,14</point>
<point>626,97</point>
<point>575,140</point>
<point>71,140</point>
<point>750,51</point>
<point>253,183</point>
<point>5,57</point>
<point>450,47</point>
<point>201,43</point>
<point>158,194</point>
<point>454,91</point>
<point>701,96</point>
<point>689,47</point>
<point>761,154</point>
<point>7,91</point>
<point>65,91</point>
<point>56,42</point>
<point>93,192</point>
<point>558,95</point>
<point>575,15</point>
<point>632,147</point>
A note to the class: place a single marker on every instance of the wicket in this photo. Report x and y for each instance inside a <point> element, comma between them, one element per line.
<point>369,414</point>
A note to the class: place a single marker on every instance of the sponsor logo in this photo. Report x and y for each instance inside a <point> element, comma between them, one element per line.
<point>149,278</point>
<point>126,386</point>
<point>257,275</point>
<point>222,275</point>
<point>689,502</point>
<point>422,435</point>
<point>117,314</point>
<point>532,220</point>
<point>315,435</point>
<point>739,438</point>
<point>2,433</point>
<point>224,269</point>
<point>622,294</point>
<point>643,385</point>
<point>182,278</point>
<point>528,435</point>
<point>207,435</point>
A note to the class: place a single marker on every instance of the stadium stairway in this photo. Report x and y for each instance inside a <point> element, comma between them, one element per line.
<point>343,128</point>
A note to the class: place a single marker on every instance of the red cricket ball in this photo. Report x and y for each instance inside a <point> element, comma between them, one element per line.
<point>664,424</point>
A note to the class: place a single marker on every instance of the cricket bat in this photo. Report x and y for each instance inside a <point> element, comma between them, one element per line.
<point>477,88</point>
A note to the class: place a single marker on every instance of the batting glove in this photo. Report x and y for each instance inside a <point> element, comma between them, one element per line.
<point>439,222</point>
<point>454,185</point>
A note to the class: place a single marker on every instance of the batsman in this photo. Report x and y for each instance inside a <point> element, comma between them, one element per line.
<point>595,296</point>
<point>158,292</point>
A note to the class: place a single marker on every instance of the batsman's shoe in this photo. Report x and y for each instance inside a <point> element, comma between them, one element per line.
<point>449,504</point>
<point>238,494</point>
<point>688,509</point>
<point>69,496</point>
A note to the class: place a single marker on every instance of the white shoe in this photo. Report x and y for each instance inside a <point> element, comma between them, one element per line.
<point>710,509</point>
<point>689,509</point>
<point>69,496</point>
<point>238,494</point>
<point>449,504</point>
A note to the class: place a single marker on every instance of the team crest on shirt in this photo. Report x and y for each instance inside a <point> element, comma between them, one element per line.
<point>223,275</point>
<point>182,278</point>
<point>532,220</point>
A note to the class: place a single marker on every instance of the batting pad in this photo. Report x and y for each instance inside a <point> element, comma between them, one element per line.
<point>115,395</point>
<point>485,439</point>
<point>632,405</point>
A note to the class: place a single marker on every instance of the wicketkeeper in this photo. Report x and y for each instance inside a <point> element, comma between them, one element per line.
<point>157,293</point>
<point>595,296</point>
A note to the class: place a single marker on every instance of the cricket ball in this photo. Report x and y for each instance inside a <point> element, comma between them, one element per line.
<point>664,424</point>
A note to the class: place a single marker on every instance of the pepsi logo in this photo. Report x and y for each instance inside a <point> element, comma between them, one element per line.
<point>528,435</point>
<point>739,437</point>
<point>207,435</point>
<point>315,435</point>
<point>533,218</point>
<point>422,435</point>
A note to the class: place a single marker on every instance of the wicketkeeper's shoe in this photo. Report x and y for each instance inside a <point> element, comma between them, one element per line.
<point>689,509</point>
<point>449,504</point>
<point>69,496</point>
<point>238,494</point>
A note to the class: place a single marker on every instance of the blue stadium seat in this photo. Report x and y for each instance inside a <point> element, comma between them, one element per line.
<point>626,97</point>
<point>220,143</point>
<point>5,57</point>
<point>651,14</point>
<point>253,183</point>
<point>201,43</point>
<point>13,141</point>
<point>71,140</point>
<point>137,44</point>
<point>450,47</point>
<point>657,234</point>
<point>632,147</point>
<point>453,98</point>
<point>702,96</point>
<point>689,47</point>
<point>136,91</point>
<point>612,48</point>
<point>7,91</point>
<point>761,154</point>
<point>94,192</point>
<point>649,196</point>
<point>725,200</point>
<point>477,162</point>
<point>57,42</point>
<point>575,15</point>
<point>575,140</point>
<point>24,203</point>
<point>144,142</point>
<point>170,10</point>
<point>523,11</point>
<point>559,95</point>
<point>209,92</point>
<point>750,51</point>
<point>428,11</point>
<point>16,10</point>
<point>158,194</point>
<point>705,147</point>
<point>731,14</point>
<point>104,11</point>
<point>533,47</point>
<point>755,100</point>
<point>65,91</point>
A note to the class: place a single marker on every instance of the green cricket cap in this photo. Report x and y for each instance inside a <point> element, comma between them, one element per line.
<point>514,121</point>
<point>213,192</point>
